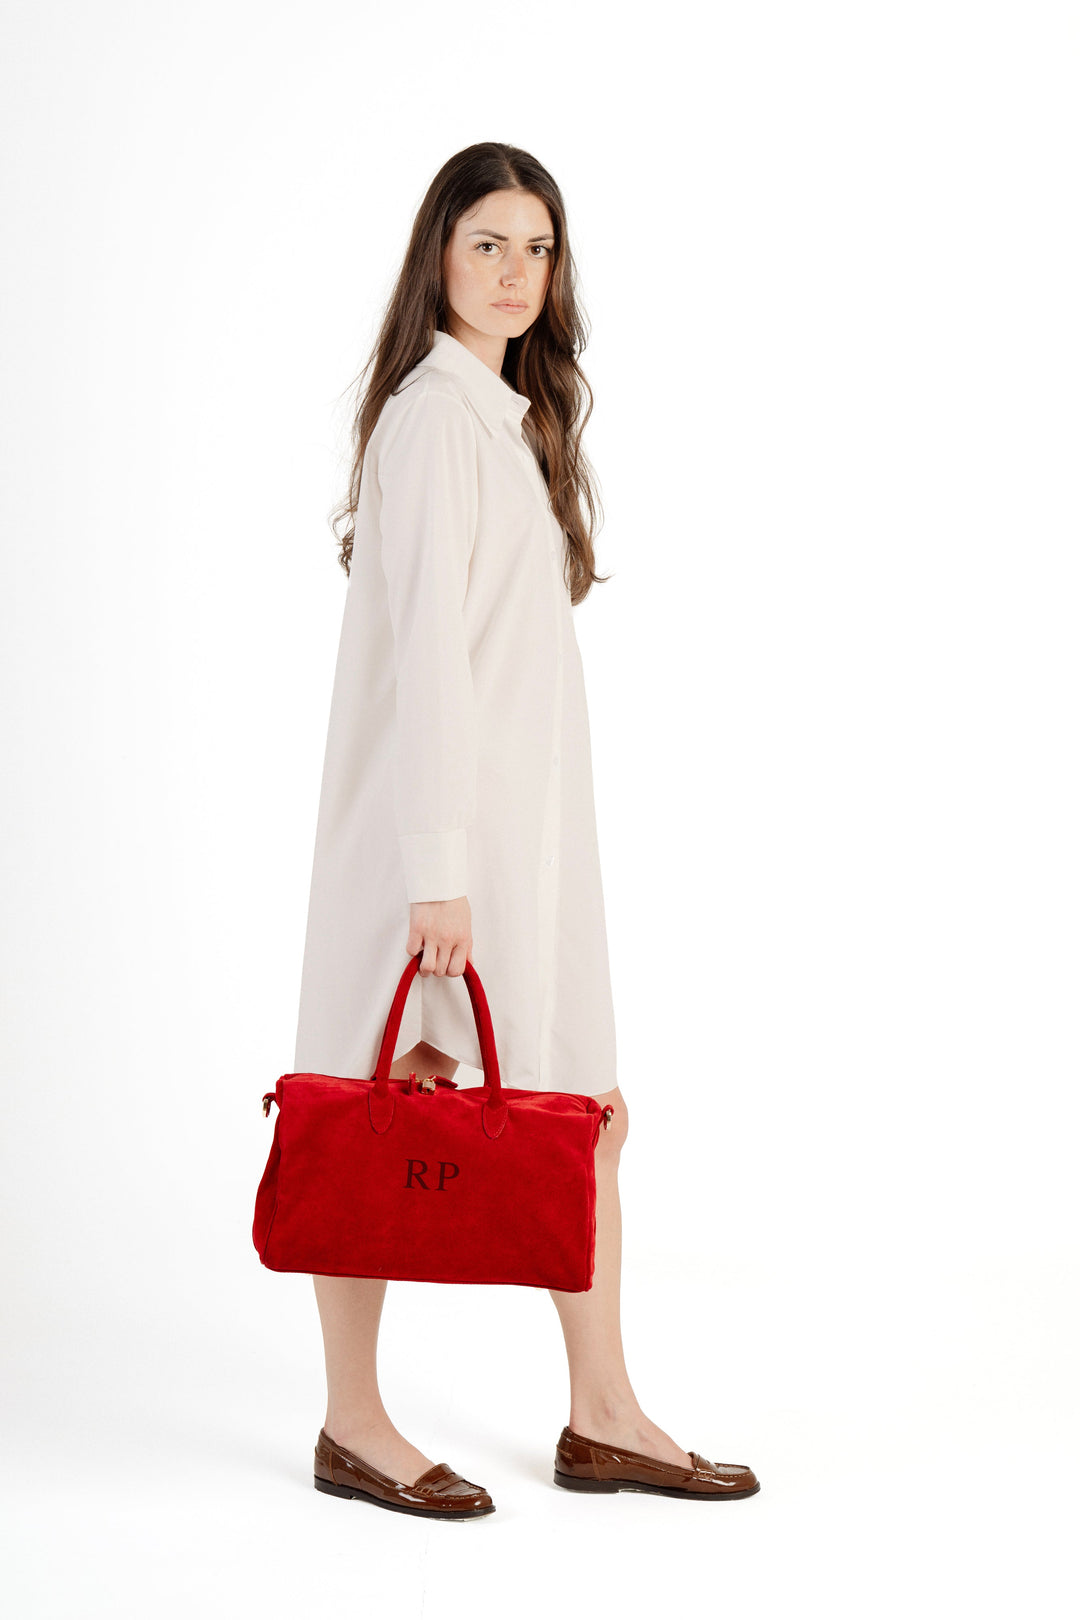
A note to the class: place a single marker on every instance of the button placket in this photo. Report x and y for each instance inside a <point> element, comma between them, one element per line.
<point>549,882</point>
<point>536,478</point>
<point>548,867</point>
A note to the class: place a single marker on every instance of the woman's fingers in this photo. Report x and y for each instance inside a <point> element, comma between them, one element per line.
<point>442,930</point>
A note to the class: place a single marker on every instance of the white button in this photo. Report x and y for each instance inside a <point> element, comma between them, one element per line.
<point>554,759</point>
<point>549,860</point>
<point>553,551</point>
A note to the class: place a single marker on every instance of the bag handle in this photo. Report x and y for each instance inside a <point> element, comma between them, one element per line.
<point>381,1100</point>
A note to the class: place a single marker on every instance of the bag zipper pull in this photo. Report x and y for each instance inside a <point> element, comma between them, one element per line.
<point>268,1098</point>
<point>608,1116</point>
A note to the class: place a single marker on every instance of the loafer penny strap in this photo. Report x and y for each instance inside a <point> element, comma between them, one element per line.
<point>705,1469</point>
<point>438,1478</point>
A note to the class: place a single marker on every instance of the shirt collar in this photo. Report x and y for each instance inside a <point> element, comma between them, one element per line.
<point>495,401</point>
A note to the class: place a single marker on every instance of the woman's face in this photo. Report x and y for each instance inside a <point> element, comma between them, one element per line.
<point>499,255</point>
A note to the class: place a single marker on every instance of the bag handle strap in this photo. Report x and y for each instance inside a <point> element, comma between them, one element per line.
<point>381,1101</point>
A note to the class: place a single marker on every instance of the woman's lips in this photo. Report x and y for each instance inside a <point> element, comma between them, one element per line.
<point>511,307</point>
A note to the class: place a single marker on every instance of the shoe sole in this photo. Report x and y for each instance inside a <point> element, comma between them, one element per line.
<point>606,1487</point>
<point>352,1492</point>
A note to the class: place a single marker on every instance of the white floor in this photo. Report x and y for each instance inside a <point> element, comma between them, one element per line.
<point>909,1435</point>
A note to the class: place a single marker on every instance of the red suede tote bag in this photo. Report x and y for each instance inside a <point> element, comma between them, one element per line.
<point>427,1181</point>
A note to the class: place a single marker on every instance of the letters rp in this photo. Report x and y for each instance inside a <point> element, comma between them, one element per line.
<point>415,1176</point>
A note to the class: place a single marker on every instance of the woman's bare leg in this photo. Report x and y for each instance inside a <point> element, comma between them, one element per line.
<point>350,1309</point>
<point>603,1405</point>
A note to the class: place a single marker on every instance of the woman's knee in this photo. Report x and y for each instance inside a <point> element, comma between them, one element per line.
<point>424,1059</point>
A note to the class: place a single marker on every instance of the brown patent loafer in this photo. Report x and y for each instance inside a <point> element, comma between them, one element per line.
<point>439,1493</point>
<point>590,1465</point>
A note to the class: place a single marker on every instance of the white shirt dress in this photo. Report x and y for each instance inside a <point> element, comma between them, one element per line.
<point>458,754</point>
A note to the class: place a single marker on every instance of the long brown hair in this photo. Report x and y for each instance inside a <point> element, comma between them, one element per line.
<point>542,364</point>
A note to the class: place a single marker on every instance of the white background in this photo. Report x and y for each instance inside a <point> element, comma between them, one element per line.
<point>829,257</point>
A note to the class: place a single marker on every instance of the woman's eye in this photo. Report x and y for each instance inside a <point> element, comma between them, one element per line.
<point>544,249</point>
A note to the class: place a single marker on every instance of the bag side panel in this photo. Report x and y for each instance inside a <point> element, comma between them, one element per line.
<point>266,1197</point>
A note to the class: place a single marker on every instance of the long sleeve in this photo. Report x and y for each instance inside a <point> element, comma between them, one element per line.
<point>427,474</point>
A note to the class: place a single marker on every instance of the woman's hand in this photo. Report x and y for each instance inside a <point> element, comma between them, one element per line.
<point>443,929</point>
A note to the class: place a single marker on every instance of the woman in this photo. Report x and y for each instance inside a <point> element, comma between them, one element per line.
<point>457,787</point>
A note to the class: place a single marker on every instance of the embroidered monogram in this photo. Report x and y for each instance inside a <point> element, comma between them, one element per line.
<point>415,1176</point>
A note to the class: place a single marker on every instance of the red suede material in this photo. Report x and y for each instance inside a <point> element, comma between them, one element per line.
<point>433,1197</point>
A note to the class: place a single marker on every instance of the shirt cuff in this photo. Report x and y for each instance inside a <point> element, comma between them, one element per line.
<point>436,864</point>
